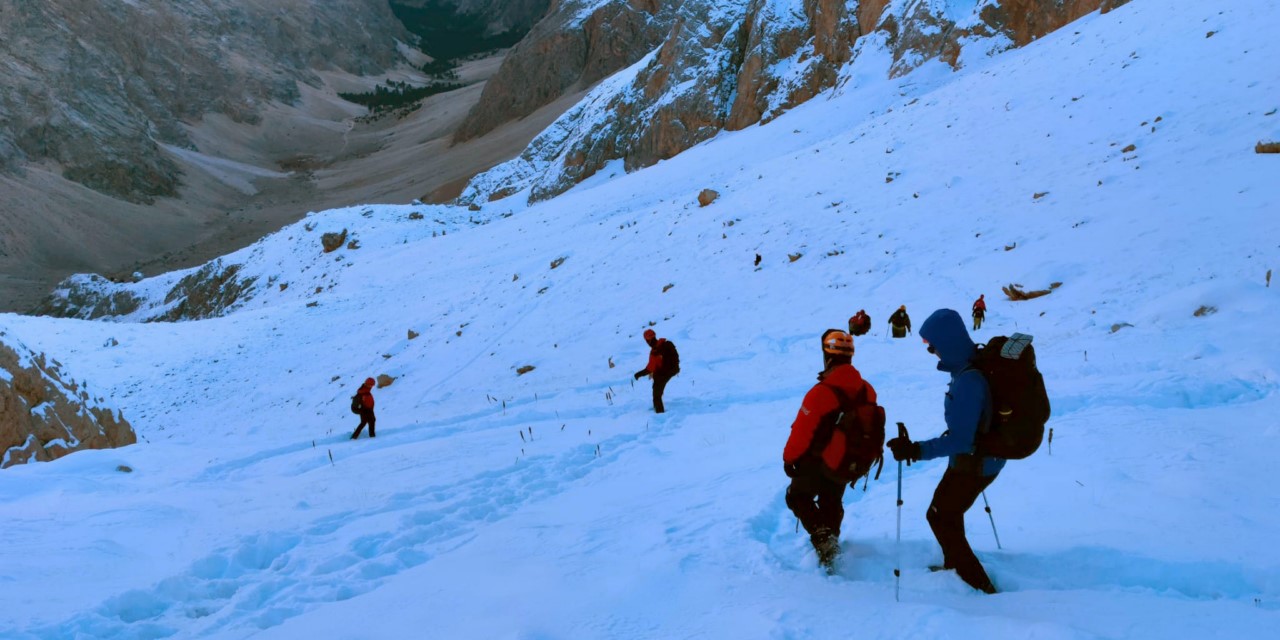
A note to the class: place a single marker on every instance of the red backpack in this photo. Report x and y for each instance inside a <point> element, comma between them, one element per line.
<point>862,423</point>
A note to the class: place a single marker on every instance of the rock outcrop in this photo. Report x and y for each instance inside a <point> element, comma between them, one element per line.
<point>44,415</point>
<point>88,297</point>
<point>577,44</point>
<point>209,291</point>
<point>98,87</point>
<point>719,65</point>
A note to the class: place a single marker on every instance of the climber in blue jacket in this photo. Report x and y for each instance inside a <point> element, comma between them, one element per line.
<point>967,410</point>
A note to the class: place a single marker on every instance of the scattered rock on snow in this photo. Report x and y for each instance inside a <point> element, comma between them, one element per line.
<point>1205,310</point>
<point>385,380</point>
<point>333,241</point>
<point>1267,147</point>
<point>525,369</point>
<point>1015,292</point>
<point>1119,325</point>
<point>707,196</point>
<point>413,334</point>
<point>557,262</point>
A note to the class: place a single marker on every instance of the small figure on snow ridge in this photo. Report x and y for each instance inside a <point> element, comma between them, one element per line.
<point>664,364</point>
<point>901,322</point>
<point>362,404</point>
<point>860,323</point>
<point>979,311</point>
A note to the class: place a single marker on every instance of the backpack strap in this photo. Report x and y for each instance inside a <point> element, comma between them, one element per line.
<point>827,427</point>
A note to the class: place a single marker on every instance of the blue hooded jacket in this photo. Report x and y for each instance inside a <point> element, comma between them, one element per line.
<point>968,404</point>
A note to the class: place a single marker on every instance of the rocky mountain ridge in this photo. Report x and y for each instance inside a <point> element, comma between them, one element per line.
<point>45,415</point>
<point>152,136</point>
<point>98,87</point>
<point>704,66</point>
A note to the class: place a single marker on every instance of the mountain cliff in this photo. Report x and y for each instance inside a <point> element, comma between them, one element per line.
<point>98,87</point>
<point>719,65</point>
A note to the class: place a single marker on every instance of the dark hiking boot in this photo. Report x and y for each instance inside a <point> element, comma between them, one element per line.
<point>828,547</point>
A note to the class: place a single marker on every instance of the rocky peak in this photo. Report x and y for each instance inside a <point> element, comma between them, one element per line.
<point>577,44</point>
<point>722,64</point>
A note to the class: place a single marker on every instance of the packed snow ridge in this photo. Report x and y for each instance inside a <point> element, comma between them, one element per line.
<point>1115,157</point>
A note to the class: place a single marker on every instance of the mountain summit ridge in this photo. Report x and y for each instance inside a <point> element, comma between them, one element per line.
<point>724,65</point>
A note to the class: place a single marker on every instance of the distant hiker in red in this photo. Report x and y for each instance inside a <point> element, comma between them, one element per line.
<point>362,403</point>
<point>860,323</point>
<point>664,364</point>
<point>837,437</point>
<point>979,311</point>
<point>901,322</point>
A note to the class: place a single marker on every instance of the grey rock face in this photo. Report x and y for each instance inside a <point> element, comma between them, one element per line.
<point>97,86</point>
<point>88,297</point>
<point>44,415</point>
<point>717,65</point>
<point>209,291</point>
<point>577,44</point>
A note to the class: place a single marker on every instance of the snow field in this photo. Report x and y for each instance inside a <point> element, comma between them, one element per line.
<point>1152,517</point>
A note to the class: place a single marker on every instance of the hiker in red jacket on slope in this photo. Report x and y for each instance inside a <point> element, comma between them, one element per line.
<point>664,364</point>
<point>365,405</point>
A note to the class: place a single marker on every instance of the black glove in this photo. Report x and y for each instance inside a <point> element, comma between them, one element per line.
<point>791,469</point>
<point>904,449</point>
<point>640,374</point>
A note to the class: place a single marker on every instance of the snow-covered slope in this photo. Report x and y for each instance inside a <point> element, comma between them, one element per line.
<point>554,504</point>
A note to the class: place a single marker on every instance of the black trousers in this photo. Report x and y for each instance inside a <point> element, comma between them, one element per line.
<point>818,502</point>
<point>659,385</point>
<point>366,417</point>
<point>955,494</point>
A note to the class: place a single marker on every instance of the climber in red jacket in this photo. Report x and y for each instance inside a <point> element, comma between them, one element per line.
<point>365,397</point>
<point>664,364</point>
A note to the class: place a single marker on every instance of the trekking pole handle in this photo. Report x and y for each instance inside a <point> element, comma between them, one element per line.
<point>902,433</point>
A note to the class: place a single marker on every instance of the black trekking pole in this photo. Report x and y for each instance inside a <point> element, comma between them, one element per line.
<point>897,546</point>
<point>993,520</point>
